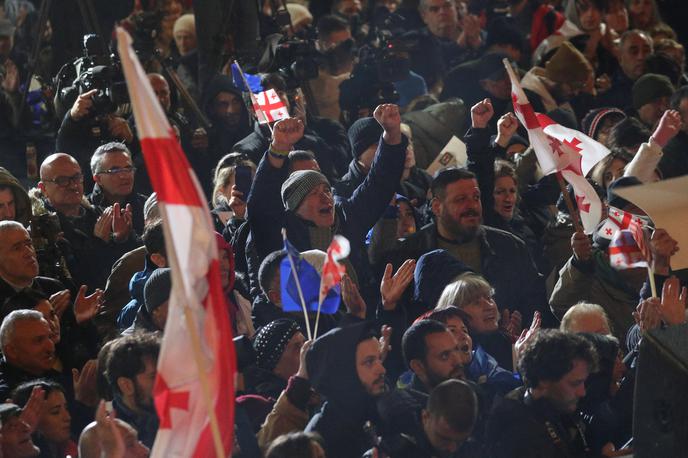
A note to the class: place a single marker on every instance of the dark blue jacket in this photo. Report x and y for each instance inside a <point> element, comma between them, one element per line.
<point>354,216</point>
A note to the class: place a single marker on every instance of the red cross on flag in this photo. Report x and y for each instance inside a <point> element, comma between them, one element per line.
<point>563,150</point>
<point>332,270</point>
<point>624,252</point>
<point>618,219</point>
<point>270,105</point>
<point>194,385</point>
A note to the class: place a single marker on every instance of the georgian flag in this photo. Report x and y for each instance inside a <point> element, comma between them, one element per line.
<point>617,220</point>
<point>269,103</point>
<point>624,252</point>
<point>194,386</point>
<point>332,270</point>
<point>562,150</point>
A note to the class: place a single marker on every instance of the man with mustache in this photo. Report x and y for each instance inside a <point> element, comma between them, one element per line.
<point>499,256</point>
<point>345,366</point>
<point>541,418</point>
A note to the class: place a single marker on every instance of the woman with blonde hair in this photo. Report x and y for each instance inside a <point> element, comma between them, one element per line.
<point>229,204</point>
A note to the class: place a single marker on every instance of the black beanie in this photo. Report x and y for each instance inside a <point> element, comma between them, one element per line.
<point>271,340</point>
<point>157,289</point>
<point>362,134</point>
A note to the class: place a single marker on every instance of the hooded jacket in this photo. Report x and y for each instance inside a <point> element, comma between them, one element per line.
<point>331,363</point>
<point>22,204</point>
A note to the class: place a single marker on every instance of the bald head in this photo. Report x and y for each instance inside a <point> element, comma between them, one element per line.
<point>161,89</point>
<point>62,183</point>
<point>56,160</point>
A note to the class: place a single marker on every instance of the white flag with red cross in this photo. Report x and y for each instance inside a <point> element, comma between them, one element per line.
<point>194,385</point>
<point>269,103</point>
<point>624,252</point>
<point>617,220</point>
<point>561,150</point>
<point>332,270</point>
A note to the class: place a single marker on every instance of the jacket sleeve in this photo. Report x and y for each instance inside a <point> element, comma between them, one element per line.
<point>570,288</point>
<point>284,418</point>
<point>645,162</point>
<point>371,198</point>
<point>481,157</point>
<point>265,211</point>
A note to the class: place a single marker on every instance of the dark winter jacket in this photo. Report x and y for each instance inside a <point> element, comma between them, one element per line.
<point>331,365</point>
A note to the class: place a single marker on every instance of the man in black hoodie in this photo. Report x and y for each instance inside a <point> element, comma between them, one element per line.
<point>345,366</point>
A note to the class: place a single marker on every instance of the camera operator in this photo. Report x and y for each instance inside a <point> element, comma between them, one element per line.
<point>335,43</point>
<point>83,129</point>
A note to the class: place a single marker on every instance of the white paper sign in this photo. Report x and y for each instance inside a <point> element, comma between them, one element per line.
<point>452,155</point>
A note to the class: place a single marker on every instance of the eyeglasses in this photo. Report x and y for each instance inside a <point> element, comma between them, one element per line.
<point>118,170</point>
<point>63,182</point>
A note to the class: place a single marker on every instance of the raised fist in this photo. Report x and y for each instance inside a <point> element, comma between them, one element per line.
<point>286,132</point>
<point>389,117</point>
<point>481,113</point>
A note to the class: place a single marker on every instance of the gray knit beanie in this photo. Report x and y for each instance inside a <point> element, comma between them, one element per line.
<point>157,288</point>
<point>298,185</point>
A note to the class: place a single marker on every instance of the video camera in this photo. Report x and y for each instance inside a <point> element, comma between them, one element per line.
<point>95,70</point>
<point>295,59</point>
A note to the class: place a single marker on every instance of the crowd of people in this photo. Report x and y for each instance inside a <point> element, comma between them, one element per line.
<point>476,319</point>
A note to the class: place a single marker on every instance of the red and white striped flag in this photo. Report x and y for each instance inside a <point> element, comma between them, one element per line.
<point>270,105</point>
<point>332,270</point>
<point>618,219</point>
<point>194,393</point>
<point>563,150</point>
<point>624,252</point>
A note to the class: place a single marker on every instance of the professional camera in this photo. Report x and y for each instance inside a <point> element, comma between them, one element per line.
<point>45,235</point>
<point>95,70</point>
<point>295,59</point>
<point>146,30</point>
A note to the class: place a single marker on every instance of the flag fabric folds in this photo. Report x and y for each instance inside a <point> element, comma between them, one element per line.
<point>254,84</point>
<point>193,391</point>
<point>618,219</point>
<point>562,150</point>
<point>307,265</point>
<point>624,252</point>
<point>332,270</point>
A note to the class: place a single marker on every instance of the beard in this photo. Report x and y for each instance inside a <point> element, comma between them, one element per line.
<point>459,232</point>
<point>142,400</point>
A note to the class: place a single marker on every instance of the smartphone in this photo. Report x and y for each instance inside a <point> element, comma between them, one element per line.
<point>243,179</point>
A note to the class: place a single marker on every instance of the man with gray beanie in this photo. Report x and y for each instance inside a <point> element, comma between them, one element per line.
<point>308,210</point>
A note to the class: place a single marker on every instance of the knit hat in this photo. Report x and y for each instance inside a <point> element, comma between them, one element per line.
<point>592,121</point>
<point>298,185</point>
<point>150,208</point>
<point>185,22</point>
<point>649,88</point>
<point>362,134</point>
<point>158,288</point>
<point>271,340</point>
<point>299,14</point>
<point>568,65</point>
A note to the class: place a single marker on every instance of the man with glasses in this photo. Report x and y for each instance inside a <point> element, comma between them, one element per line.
<point>93,239</point>
<point>113,173</point>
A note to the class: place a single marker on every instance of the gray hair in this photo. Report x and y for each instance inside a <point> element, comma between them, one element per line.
<point>102,150</point>
<point>466,288</point>
<point>8,324</point>
<point>9,225</point>
<point>580,309</point>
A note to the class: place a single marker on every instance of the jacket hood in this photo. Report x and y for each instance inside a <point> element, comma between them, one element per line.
<point>22,203</point>
<point>219,83</point>
<point>331,363</point>
<point>434,271</point>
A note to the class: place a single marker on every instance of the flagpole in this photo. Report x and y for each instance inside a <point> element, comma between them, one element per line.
<point>298,288</point>
<point>252,96</point>
<point>573,211</point>
<point>195,346</point>
<point>317,320</point>
<point>651,276</point>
